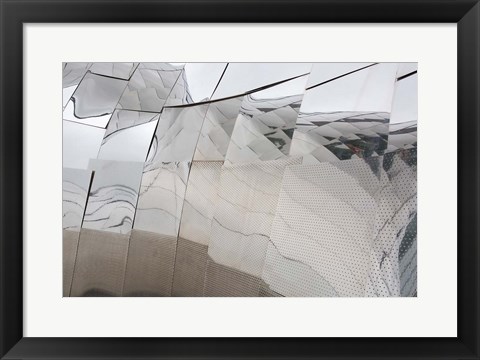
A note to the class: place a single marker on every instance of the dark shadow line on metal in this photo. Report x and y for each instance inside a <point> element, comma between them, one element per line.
<point>340,76</point>
<point>219,80</point>
<point>406,75</point>
<point>80,231</point>
<point>239,95</point>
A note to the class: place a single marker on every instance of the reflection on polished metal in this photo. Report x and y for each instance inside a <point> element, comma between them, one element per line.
<point>244,213</point>
<point>196,84</point>
<point>200,200</point>
<point>76,183</point>
<point>148,89</point>
<point>346,117</point>
<point>402,136</point>
<point>117,70</point>
<point>80,144</point>
<point>94,100</point>
<point>340,136</point>
<point>240,179</point>
<point>393,256</point>
<point>128,144</point>
<point>338,198</point>
<point>177,135</point>
<point>161,197</point>
<point>327,72</point>
<point>240,78</point>
<point>217,130</point>
<point>113,196</point>
<point>266,122</point>
<point>72,75</point>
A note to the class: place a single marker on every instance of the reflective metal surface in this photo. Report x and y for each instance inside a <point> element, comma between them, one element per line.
<point>94,100</point>
<point>266,122</point>
<point>75,184</point>
<point>129,143</point>
<point>161,198</point>
<point>148,89</point>
<point>217,129</point>
<point>177,134</point>
<point>240,179</point>
<point>113,195</point>
<point>240,78</point>
<point>116,70</point>
<point>80,144</point>
<point>196,84</point>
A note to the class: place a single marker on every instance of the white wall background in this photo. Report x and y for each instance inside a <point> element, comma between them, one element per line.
<point>433,313</point>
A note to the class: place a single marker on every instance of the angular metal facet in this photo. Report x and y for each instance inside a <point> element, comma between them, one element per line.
<point>196,84</point>
<point>116,70</point>
<point>266,122</point>
<point>200,200</point>
<point>75,184</point>
<point>217,130</point>
<point>240,78</point>
<point>128,144</point>
<point>161,198</point>
<point>94,100</point>
<point>325,72</point>
<point>177,135</point>
<point>393,257</point>
<point>148,89</point>
<point>348,117</point>
<point>329,209</point>
<point>113,196</point>
<point>81,143</point>
<point>244,213</point>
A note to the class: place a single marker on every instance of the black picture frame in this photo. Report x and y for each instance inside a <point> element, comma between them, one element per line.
<point>15,13</point>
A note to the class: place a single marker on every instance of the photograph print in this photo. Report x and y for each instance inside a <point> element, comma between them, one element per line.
<point>239,179</point>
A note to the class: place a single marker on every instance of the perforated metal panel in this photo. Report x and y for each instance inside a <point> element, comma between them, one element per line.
<point>200,200</point>
<point>100,263</point>
<point>150,264</point>
<point>161,196</point>
<point>244,214</point>
<point>322,233</point>
<point>393,259</point>
<point>190,268</point>
<point>225,281</point>
<point>69,252</point>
